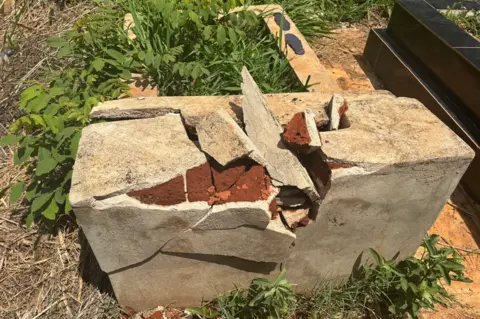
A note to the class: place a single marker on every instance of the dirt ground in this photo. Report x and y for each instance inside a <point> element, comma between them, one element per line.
<point>56,276</point>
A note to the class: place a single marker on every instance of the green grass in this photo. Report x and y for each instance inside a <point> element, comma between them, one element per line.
<point>382,289</point>
<point>467,20</point>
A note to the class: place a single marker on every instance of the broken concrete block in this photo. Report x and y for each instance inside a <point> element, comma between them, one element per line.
<point>335,110</point>
<point>144,153</point>
<point>124,232</point>
<point>221,137</point>
<point>248,243</point>
<point>301,133</point>
<point>264,130</point>
<point>397,165</point>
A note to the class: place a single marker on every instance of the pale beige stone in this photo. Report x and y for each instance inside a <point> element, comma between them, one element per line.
<point>334,110</point>
<point>117,157</point>
<point>221,138</point>
<point>271,244</point>
<point>193,108</point>
<point>264,130</point>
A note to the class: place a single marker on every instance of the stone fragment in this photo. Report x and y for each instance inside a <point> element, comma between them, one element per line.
<point>271,244</point>
<point>264,130</point>
<point>169,193</point>
<point>291,201</point>
<point>221,137</point>
<point>318,169</point>
<point>199,183</point>
<point>335,110</point>
<point>120,157</point>
<point>296,217</point>
<point>301,133</point>
<point>128,24</point>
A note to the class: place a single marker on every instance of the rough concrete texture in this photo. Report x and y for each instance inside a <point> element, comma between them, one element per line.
<point>265,131</point>
<point>335,110</point>
<point>124,232</point>
<point>194,108</point>
<point>403,166</point>
<point>271,244</point>
<point>221,137</point>
<point>160,144</point>
<point>392,170</point>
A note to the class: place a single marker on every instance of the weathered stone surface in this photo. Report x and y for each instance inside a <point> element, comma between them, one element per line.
<point>403,164</point>
<point>335,110</point>
<point>195,108</point>
<point>124,232</point>
<point>301,133</point>
<point>296,217</point>
<point>264,130</point>
<point>119,157</point>
<point>221,137</point>
<point>271,244</point>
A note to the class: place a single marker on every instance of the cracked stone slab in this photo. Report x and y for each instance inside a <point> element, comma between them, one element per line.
<point>221,137</point>
<point>265,131</point>
<point>271,244</point>
<point>119,157</point>
<point>137,231</point>
<point>335,110</point>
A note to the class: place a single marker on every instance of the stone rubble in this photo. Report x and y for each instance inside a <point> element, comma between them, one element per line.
<point>335,110</point>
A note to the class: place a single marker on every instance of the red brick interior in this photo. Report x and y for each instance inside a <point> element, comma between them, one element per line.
<point>199,183</point>
<point>169,193</point>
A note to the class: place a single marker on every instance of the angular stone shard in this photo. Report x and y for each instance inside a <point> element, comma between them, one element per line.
<point>119,157</point>
<point>271,244</point>
<point>221,137</point>
<point>264,130</point>
<point>335,110</point>
<point>301,133</point>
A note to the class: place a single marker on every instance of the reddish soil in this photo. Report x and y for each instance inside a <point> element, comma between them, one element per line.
<point>334,165</point>
<point>169,193</point>
<point>296,134</point>
<point>199,183</point>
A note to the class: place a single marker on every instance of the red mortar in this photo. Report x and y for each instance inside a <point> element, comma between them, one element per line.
<point>296,133</point>
<point>199,183</point>
<point>224,177</point>
<point>343,109</point>
<point>243,181</point>
<point>169,193</point>
<point>334,165</point>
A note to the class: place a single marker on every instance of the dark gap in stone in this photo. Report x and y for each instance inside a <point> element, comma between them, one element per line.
<point>295,43</point>
<point>281,21</point>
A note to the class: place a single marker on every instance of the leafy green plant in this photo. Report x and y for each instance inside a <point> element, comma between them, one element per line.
<point>263,299</point>
<point>190,47</point>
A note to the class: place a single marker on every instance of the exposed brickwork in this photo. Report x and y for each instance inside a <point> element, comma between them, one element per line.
<point>199,183</point>
<point>169,193</point>
<point>296,134</point>
<point>224,177</point>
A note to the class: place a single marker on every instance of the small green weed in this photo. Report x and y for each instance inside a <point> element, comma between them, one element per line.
<point>467,20</point>
<point>264,299</point>
<point>386,289</point>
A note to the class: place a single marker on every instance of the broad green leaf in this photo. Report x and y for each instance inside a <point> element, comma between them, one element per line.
<point>98,64</point>
<point>51,211</point>
<point>56,91</point>
<point>60,195</point>
<point>39,103</point>
<point>126,75</point>
<point>30,93</point>
<point>9,140</point>
<point>29,220</point>
<point>232,35</point>
<point>149,58</point>
<point>31,191</point>
<point>40,201</point>
<point>207,32</point>
<point>119,57</point>
<point>22,154</point>
<point>221,35</point>
<point>37,119</point>
<point>46,163</point>
<point>68,207</point>
<point>65,50</point>
<point>74,143</point>
<point>16,192</point>
<point>141,55</point>
<point>56,42</point>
